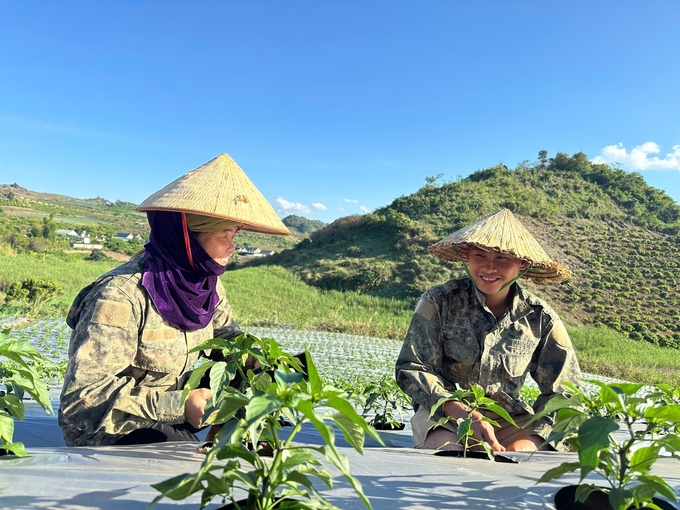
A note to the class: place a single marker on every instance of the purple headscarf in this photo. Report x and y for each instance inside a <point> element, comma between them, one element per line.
<point>182,290</point>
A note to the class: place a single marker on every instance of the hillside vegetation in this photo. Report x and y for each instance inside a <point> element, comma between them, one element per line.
<point>617,234</point>
<point>29,220</point>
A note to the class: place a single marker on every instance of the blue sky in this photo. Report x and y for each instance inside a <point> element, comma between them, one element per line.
<point>331,108</point>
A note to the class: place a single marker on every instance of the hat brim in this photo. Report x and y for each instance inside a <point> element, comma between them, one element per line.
<point>539,272</point>
<point>247,225</point>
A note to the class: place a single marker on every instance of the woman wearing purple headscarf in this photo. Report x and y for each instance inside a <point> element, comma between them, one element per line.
<point>133,327</point>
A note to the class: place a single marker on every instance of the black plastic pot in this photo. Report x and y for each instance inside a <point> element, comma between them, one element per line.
<point>565,499</point>
<point>242,504</point>
<point>264,449</point>
<point>232,506</point>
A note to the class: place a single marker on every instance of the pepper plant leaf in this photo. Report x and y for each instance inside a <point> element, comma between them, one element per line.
<point>17,449</point>
<point>593,437</point>
<point>642,459</point>
<point>315,383</point>
<point>195,378</point>
<point>556,472</point>
<point>341,462</point>
<point>6,427</point>
<point>228,407</point>
<point>659,485</point>
<point>178,487</point>
<point>670,442</point>
<point>261,406</point>
<point>353,433</point>
<point>13,406</point>
<point>555,403</point>
<point>464,429</point>
<point>495,408</point>
<point>669,413</point>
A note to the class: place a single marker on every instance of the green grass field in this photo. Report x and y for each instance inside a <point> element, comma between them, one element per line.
<point>269,296</point>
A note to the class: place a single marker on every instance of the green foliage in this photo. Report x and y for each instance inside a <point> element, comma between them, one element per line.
<point>19,375</point>
<point>69,271</point>
<point>472,399</point>
<point>280,391</point>
<point>587,424</point>
<point>97,256</point>
<point>49,227</point>
<point>529,394</point>
<point>384,404</point>
<point>607,352</point>
<point>33,293</point>
<point>131,247</point>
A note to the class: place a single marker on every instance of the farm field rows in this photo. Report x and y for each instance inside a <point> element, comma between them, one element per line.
<point>348,361</point>
<point>339,356</point>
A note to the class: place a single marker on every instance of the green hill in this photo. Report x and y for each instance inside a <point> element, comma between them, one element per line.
<point>617,234</point>
<point>301,225</point>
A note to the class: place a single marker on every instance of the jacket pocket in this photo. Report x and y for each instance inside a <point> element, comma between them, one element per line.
<point>461,345</point>
<point>516,355</point>
<point>162,350</point>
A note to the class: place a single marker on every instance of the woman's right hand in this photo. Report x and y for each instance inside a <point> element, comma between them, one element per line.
<point>194,406</point>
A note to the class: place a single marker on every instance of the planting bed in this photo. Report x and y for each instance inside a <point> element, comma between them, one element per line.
<point>393,477</point>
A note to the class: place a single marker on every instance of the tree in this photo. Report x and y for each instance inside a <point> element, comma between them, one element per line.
<point>433,180</point>
<point>543,159</point>
<point>49,228</point>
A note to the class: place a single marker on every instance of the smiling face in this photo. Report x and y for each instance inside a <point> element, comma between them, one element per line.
<point>491,270</point>
<point>218,244</point>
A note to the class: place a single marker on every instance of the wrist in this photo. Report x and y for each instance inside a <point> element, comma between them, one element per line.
<point>455,410</point>
<point>477,416</point>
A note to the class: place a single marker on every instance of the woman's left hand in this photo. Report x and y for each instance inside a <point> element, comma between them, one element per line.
<point>194,406</point>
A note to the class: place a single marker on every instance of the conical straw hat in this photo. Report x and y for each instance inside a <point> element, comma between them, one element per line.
<point>502,232</point>
<point>222,190</point>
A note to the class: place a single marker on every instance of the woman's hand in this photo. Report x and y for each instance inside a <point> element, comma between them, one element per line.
<point>194,406</point>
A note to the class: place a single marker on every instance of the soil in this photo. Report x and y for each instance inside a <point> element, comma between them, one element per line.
<point>475,455</point>
<point>388,426</point>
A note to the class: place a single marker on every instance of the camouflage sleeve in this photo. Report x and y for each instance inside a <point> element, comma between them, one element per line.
<point>97,401</point>
<point>224,324</point>
<point>556,364</point>
<point>421,355</point>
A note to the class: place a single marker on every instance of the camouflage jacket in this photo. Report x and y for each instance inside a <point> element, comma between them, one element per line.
<point>454,339</point>
<point>127,366</point>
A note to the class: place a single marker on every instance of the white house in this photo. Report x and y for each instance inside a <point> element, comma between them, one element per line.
<point>71,234</point>
<point>126,236</point>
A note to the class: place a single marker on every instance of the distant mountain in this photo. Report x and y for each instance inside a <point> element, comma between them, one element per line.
<point>617,234</point>
<point>302,226</point>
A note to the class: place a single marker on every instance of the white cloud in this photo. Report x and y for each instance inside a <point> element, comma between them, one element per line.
<point>364,209</point>
<point>341,208</point>
<point>292,207</point>
<point>319,206</point>
<point>351,201</point>
<point>639,158</point>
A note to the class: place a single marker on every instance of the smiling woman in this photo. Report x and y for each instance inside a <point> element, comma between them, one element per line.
<point>135,327</point>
